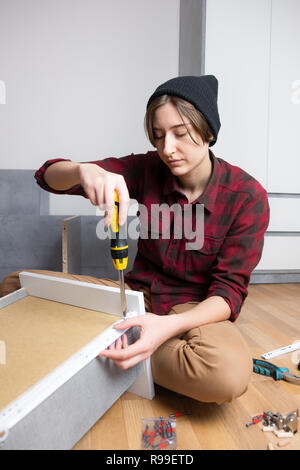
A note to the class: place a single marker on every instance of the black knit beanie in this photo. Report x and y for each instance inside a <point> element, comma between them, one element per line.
<point>201,91</point>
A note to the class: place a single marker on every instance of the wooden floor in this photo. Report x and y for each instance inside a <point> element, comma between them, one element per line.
<point>270,319</point>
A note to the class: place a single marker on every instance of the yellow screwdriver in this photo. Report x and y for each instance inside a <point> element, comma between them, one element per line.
<point>119,252</point>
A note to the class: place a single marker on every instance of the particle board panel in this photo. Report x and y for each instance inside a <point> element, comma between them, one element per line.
<point>54,387</point>
<point>40,335</point>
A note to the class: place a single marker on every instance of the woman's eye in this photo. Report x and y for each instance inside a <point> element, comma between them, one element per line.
<point>159,137</point>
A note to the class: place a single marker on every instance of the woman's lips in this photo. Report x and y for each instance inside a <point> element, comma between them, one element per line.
<point>174,162</point>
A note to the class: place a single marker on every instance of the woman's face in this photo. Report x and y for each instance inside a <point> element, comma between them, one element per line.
<point>174,145</point>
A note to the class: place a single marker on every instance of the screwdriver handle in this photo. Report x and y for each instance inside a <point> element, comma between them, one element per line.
<point>114,224</point>
<point>269,369</point>
<point>118,246</point>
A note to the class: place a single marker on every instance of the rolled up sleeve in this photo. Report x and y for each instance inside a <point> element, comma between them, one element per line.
<point>240,253</point>
<point>130,167</point>
<point>39,176</point>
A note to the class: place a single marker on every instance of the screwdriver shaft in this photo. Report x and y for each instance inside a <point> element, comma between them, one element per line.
<point>122,288</point>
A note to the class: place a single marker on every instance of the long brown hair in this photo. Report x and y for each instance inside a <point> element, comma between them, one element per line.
<point>185,109</point>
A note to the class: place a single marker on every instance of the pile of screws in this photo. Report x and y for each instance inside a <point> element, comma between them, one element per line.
<point>283,426</point>
<point>159,434</point>
<point>282,423</point>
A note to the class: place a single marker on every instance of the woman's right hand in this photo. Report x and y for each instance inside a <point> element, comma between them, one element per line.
<point>99,186</point>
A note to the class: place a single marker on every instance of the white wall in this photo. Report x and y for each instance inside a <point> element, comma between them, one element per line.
<point>253,48</point>
<point>238,53</point>
<point>284,127</point>
<point>78,74</point>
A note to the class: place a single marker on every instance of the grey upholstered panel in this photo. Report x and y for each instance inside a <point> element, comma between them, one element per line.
<point>58,422</point>
<point>29,238</point>
<point>19,193</point>
<point>30,242</point>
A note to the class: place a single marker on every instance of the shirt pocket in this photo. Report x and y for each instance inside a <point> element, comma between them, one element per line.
<point>200,262</point>
<point>153,241</point>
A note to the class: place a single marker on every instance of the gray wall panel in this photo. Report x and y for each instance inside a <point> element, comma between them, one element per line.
<point>30,242</point>
<point>19,193</point>
<point>192,37</point>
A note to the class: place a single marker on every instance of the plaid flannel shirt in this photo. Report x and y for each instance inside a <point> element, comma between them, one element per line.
<point>236,216</point>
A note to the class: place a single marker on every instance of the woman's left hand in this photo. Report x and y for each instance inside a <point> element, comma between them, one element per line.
<point>154,330</point>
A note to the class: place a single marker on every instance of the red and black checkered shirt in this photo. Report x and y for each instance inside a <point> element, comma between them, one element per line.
<point>236,216</point>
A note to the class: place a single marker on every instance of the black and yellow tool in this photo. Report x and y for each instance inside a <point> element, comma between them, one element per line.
<point>119,252</point>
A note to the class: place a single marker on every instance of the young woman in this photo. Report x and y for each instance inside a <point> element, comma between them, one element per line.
<point>193,296</point>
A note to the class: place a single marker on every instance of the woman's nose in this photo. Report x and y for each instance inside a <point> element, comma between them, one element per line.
<point>169,144</point>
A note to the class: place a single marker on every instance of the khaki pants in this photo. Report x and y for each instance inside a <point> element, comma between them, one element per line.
<point>210,363</point>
